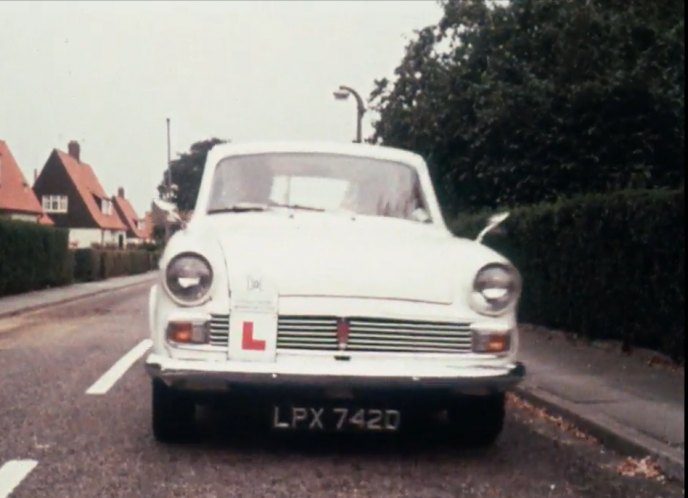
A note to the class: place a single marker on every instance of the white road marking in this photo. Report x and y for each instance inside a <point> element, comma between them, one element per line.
<point>109,378</point>
<point>12,473</point>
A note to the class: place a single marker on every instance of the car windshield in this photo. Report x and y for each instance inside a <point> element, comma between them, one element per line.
<point>317,181</point>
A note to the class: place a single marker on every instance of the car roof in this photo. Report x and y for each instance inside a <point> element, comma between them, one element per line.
<point>221,151</point>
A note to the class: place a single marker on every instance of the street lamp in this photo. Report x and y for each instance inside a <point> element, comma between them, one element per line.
<point>342,94</point>
<point>169,157</point>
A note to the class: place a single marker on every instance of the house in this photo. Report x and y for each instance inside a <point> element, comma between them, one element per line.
<point>165,217</point>
<point>128,217</point>
<point>17,200</point>
<point>146,226</point>
<point>71,193</point>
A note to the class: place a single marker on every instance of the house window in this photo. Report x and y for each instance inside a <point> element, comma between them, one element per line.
<point>55,203</point>
<point>106,206</point>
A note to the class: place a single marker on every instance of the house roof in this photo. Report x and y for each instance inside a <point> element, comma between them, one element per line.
<point>44,219</point>
<point>148,225</point>
<point>15,192</point>
<point>89,187</point>
<point>128,215</point>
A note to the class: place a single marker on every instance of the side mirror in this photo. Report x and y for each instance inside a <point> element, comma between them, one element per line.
<point>493,222</point>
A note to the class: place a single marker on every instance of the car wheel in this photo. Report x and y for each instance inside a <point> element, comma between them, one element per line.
<point>173,413</point>
<point>478,420</point>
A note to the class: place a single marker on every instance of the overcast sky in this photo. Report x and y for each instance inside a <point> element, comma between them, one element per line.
<point>108,74</point>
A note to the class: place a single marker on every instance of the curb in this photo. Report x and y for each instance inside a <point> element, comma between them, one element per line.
<point>611,433</point>
<point>46,305</point>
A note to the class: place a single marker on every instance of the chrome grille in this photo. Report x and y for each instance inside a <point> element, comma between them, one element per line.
<point>219,330</point>
<point>307,332</point>
<point>374,335</point>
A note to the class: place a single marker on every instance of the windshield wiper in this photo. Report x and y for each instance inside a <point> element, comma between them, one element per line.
<point>298,206</point>
<point>241,207</point>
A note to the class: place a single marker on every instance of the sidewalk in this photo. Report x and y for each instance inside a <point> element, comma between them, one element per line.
<point>620,399</point>
<point>31,301</point>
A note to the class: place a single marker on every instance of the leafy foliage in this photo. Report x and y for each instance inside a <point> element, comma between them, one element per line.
<point>118,262</point>
<point>32,256</point>
<point>606,266</point>
<point>187,171</point>
<point>97,264</point>
<point>532,100</point>
<point>87,263</point>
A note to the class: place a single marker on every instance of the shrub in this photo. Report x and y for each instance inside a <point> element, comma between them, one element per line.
<point>605,266</point>
<point>32,256</point>
<point>97,264</point>
<point>118,262</point>
<point>87,264</point>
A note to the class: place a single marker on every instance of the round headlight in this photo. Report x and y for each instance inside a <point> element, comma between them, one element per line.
<point>188,278</point>
<point>496,287</point>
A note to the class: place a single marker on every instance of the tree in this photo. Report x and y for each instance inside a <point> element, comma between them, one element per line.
<point>186,171</point>
<point>539,99</point>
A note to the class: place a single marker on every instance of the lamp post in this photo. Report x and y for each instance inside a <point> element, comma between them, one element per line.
<point>342,94</point>
<point>169,158</point>
<point>168,182</point>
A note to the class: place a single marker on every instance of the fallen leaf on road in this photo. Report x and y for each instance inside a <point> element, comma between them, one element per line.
<point>664,363</point>
<point>558,421</point>
<point>644,467</point>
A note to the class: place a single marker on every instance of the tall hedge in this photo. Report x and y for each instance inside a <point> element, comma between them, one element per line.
<point>605,266</point>
<point>35,257</point>
<point>87,263</point>
<point>32,257</point>
<point>97,264</point>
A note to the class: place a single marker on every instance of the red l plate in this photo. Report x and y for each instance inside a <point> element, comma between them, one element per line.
<point>247,340</point>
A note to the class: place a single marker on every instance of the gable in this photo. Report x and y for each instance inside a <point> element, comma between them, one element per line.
<point>87,187</point>
<point>128,216</point>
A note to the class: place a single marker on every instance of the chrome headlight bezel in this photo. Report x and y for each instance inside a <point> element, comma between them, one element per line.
<point>495,290</point>
<point>203,296</point>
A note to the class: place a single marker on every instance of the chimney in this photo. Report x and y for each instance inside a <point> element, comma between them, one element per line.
<point>120,192</point>
<point>74,150</point>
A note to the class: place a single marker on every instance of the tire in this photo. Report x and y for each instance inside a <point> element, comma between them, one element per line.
<point>478,420</point>
<point>173,414</point>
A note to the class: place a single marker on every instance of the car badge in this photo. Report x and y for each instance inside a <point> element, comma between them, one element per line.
<point>254,283</point>
<point>342,333</point>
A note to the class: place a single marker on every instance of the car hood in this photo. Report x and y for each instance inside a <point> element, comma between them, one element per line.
<point>316,254</point>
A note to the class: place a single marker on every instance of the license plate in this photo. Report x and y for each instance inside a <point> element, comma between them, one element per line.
<point>336,419</point>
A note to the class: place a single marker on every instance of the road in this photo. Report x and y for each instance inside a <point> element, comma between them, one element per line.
<point>58,441</point>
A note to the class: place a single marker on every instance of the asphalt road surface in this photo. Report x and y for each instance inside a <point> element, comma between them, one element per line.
<point>57,440</point>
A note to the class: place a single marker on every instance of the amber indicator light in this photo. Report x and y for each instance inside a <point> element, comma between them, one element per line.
<point>179,331</point>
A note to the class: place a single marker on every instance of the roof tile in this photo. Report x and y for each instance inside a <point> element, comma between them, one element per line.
<point>15,192</point>
<point>89,188</point>
<point>128,215</point>
<point>45,220</point>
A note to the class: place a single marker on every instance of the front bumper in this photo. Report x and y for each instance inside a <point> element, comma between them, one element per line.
<point>227,376</point>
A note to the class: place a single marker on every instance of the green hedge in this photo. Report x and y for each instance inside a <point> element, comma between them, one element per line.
<point>32,257</point>
<point>97,264</point>
<point>35,257</point>
<point>605,266</point>
<point>87,264</point>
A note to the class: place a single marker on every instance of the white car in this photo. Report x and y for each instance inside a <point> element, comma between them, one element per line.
<point>319,283</point>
